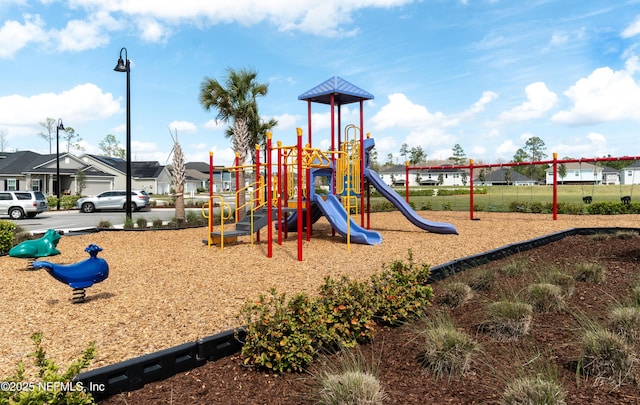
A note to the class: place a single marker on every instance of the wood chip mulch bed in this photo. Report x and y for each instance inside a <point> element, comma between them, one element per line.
<point>166,288</point>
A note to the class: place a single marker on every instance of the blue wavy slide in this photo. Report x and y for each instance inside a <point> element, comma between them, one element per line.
<point>397,200</point>
<point>337,216</point>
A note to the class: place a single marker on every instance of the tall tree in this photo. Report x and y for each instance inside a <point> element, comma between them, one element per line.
<point>72,139</point>
<point>458,158</point>
<point>404,151</point>
<point>49,125</point>
<point>417,155</point>
<point>235,100</point>
<point>535,149</point>
<point>111,147</point>
<point>389,161</point>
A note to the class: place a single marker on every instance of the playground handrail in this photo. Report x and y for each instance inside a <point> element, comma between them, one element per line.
<point>209,207</point>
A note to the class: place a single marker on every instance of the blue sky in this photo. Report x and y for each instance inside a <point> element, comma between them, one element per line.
<point>486,74</point>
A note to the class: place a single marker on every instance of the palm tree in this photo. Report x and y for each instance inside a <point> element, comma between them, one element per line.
<point>235,101</point>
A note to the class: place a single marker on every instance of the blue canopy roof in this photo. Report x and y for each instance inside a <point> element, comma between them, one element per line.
<point>343,91</point>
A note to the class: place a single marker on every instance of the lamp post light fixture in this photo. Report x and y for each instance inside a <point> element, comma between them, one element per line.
<point>58,128</point>
<point>124,66</point>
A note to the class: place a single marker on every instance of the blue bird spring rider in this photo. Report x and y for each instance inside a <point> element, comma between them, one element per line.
<point>78,276</point>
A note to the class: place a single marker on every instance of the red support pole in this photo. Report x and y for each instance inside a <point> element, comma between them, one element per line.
<point>269,200</point>
<point>555,186</point>
<point>406,181</point>
<point>471,189</point>
<point>237,184</point>
<point>211,184</point>
<point>307,173</point>
<point>299,194</point>
<point>257,191</point>
<point>281,223</point>
<point>361,165</point>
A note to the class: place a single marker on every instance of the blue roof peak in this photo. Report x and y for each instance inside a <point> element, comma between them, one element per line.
<point>343,91</point>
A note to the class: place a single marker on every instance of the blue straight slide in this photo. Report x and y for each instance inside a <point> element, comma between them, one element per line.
<point>337,216</point>
<point>397,200</point>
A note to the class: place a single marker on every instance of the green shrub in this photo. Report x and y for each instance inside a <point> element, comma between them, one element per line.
<point>60,388</point>
<point>128,223</point>
<point>402,291</point>
<point>589,272</point>
<point>7,236</point>
<point>141,222</point>
<point>348,311</point>
<point>156,223</point>
<point>447,206</point>
<point>455,294</point>
<point>282,335</point>
<point>444,350</point>
<point>104,224</point>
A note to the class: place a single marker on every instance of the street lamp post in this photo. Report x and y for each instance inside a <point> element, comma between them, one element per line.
<point>124,66</point>
<point>58,128</point>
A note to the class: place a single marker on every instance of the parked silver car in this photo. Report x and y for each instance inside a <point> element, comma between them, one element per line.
<point>20,204</point>
<point>114,200</point>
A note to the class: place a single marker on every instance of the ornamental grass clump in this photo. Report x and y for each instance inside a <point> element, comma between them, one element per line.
<point>535,390</point>
<point>625,322</point>
<point>514,268</point>
<point>455,294</point>
<point>635,295</point>
<point>562,279</point>
<point>507,320</point>
<point>606,357</point>
<point>589,272</point>
<point>482,280</point>
<point>401,291</point>
<point>545,297</point>
<point>444,350</point>
<point>347,378</point>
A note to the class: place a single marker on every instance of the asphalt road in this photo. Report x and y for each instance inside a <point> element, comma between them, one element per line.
<point>74,220</point>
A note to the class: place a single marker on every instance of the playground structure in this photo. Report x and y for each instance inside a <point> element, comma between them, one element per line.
<point>41,247</point>
<point>292,193</point>
<point>554,163</point>
<point>80,275</point>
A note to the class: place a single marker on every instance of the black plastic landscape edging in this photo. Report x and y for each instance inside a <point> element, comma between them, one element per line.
<point>133,374</point>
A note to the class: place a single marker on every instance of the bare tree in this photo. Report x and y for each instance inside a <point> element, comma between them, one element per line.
<point>179,175</point>
<point>49,124</point>
<point>3,140</point>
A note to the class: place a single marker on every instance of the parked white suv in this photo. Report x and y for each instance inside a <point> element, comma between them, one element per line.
<point>114,200</point>
<point>20,204</point>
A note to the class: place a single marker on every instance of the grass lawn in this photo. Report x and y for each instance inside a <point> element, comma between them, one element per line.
<point>498,198</point>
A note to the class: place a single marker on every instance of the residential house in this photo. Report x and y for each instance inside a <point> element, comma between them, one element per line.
<point>444,175</point>
<point>630,174</point>
<point>145,175</point>
<point>610,175</point>
<point>223,179</point>
<point>577,173</point>
<point>502,176</point>
<point>27,170</point>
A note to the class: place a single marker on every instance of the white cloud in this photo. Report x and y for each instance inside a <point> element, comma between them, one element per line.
<point>479,106</point>
<point>401,112</point>
<point>632,30</point>
<point>287,121</point>
<point>326,18</point>
<point>605,95</point>
<point>214,125</point>
<point>15,36</point>
<point>506,149</point>
<point>539,101</point>
<point>83,103</point>
<point>182,126</point>
<point>80,35</point>
<point>592,145</point>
